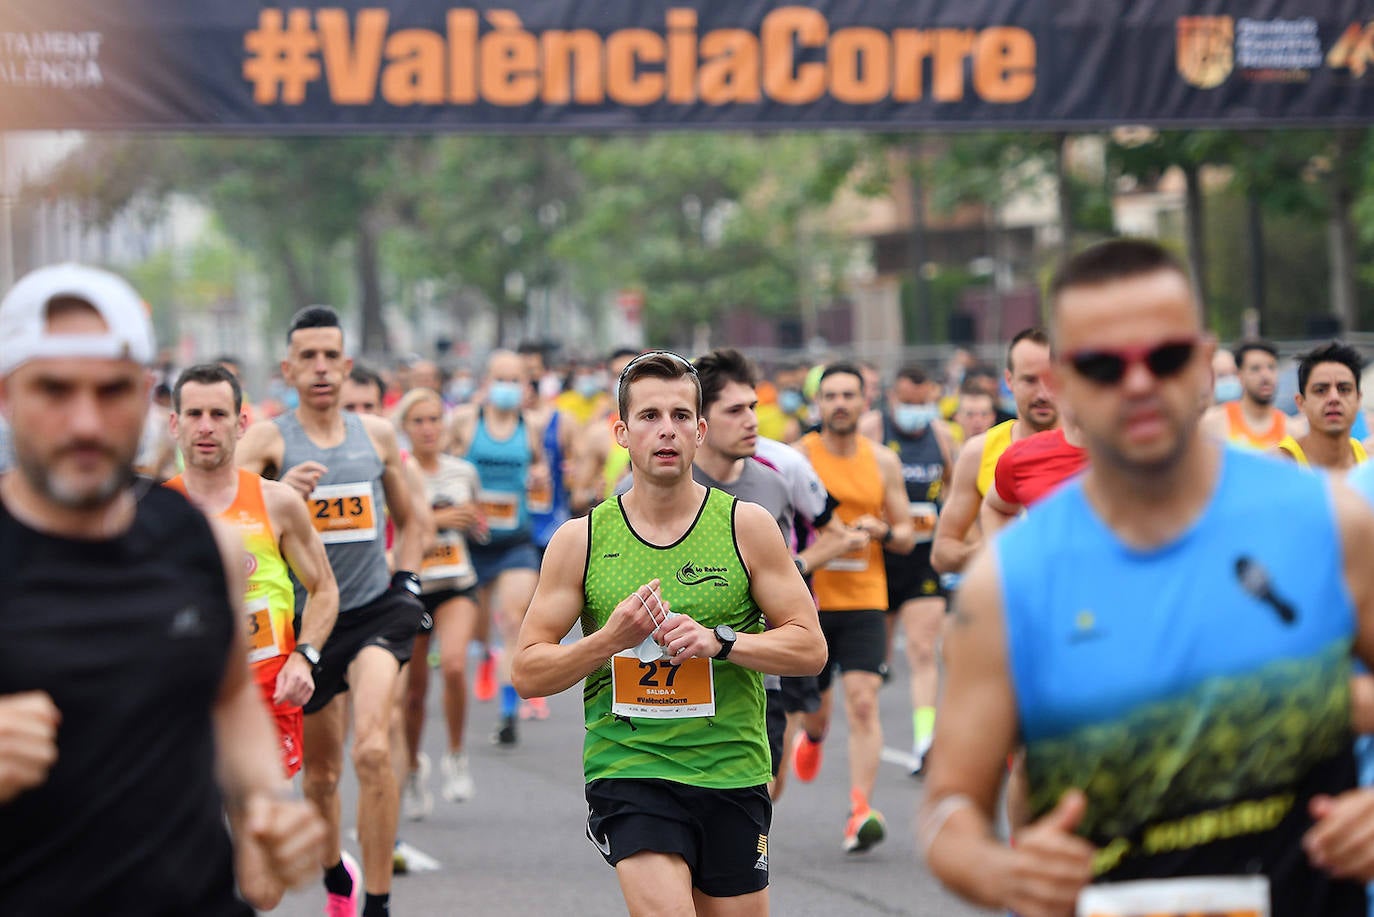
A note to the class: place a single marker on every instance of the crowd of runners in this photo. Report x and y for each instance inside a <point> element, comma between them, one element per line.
<point>1150,673</point>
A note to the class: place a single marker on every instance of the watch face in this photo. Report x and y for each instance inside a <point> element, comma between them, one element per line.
<point>725,632</point>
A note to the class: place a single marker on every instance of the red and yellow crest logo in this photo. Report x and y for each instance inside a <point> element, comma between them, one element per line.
<point>1206,49</point>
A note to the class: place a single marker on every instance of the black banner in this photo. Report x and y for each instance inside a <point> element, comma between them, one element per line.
<point>611,65</point>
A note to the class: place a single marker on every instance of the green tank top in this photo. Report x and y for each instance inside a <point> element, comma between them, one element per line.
<point>703,576</point>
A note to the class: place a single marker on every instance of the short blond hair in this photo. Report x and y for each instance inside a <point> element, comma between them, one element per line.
<point>412,398</point>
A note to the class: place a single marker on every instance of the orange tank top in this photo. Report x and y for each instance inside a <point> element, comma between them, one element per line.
<point>1238,431</point>
<point>269,599</point>
<point>857,580</point>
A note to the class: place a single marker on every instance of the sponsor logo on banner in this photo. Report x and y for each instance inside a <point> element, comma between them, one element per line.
<point>1354,51</point>
<point>1206,49</point>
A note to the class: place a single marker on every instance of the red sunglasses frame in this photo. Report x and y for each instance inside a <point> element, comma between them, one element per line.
<point>1130,356</point>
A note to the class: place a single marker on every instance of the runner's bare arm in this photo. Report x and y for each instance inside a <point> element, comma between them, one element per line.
<point>260,449</point>
<point>1341,842</point>
<point>408,548</point>
<point>304,552</point>
<point>975,730</point>
<point>460,429</point>
<point>996,513</point>
<point>543,665</point>
<point>948,450</point>
<point>1355,519</point>
<point>590,455</point>
<point>896,508</point>
<point>419,505</point>
<point>871,426</point>
<point>835,540</point>
<point>793,644</point>
<point>1214,422</point>
<point>951,548</point>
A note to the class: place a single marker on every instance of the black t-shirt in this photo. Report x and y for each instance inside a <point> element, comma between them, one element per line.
<point>130,636</point>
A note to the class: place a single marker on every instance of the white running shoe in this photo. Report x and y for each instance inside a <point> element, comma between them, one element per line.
<point>416,799</point>
<point>455,780</point>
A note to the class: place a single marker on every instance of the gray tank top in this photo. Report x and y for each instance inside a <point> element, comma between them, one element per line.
<point>347,508</point>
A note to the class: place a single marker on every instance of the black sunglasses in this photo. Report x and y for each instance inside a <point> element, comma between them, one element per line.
<point>1108,367</point>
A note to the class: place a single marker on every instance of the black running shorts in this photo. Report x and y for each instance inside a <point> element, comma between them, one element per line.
<point>434,600</point>
<point>389,621</point>
<point>910,576</point>
<point>722,835</point>
<point>857,641</point>
<point>775,718</point>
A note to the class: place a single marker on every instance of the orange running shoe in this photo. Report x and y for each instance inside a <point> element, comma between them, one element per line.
<point>866,825</point>
<point>806,757</point>
<point>484,685</point>
<point>539,707</point>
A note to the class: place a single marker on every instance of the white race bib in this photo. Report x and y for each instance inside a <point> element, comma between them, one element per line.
<point>1230,896</point>
<point>502,510</point>
<point>660,690</point>
<point>343,513</point>
<point>262,639</point>
<point>853,562</point>
<point>923,516</point>
<point>448,559</point>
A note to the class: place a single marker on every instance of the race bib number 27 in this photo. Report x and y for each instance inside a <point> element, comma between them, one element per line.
<point>661,690</point>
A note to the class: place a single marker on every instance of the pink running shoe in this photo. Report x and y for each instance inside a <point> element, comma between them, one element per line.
<point>346,905</point>
<point>484,685</point>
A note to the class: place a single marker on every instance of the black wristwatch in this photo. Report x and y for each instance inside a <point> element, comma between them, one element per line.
<point>726,635</point>
<point>311,654</point>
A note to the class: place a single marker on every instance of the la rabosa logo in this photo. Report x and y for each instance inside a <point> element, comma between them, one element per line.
<point>696,574</point>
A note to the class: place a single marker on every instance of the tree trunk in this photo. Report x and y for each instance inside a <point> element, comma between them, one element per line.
<point>370,290</point>
<point>1255,232</point>
<point>295,277</point>
<point>1341,236</point>
<point>916,247</point>
<point>1194,220</point>
<point>1061,171</point>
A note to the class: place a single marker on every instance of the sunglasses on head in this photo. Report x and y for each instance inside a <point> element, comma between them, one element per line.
<point>1108,367</point>
<point>659,353</point>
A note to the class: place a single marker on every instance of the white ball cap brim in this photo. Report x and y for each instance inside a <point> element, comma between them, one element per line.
<point>24,334</point>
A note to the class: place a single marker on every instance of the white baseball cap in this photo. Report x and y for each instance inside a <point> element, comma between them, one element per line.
<point>24,333</point>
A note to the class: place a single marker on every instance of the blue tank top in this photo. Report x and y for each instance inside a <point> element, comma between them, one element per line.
<point>546,523</point>
<point>503,467</point>
<point>1198,719</point>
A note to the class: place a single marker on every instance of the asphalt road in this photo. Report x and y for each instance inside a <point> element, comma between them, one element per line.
<point>519,847</point>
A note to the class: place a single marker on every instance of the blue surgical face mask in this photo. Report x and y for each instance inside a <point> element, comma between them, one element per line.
<point>1227,388</point>
<point>505,396</point>
<point>589,386</point>
<point>790,401</point>
<point>461,389</point>
<point>914,418</point>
